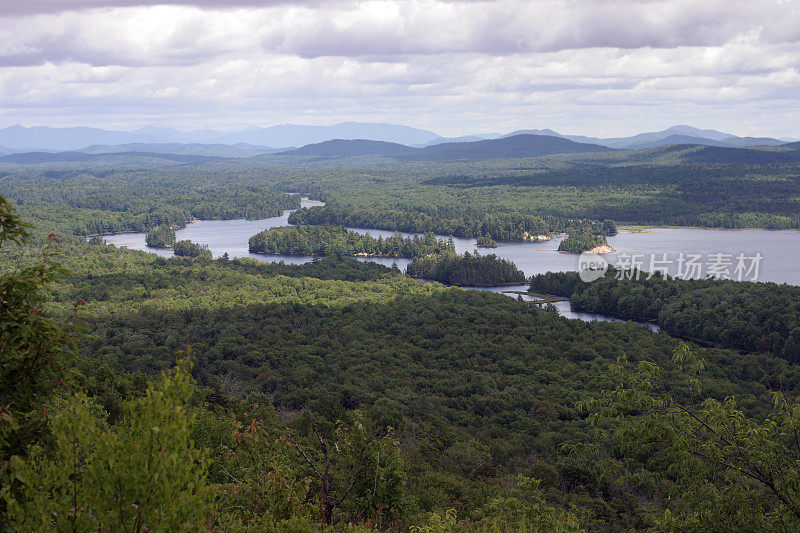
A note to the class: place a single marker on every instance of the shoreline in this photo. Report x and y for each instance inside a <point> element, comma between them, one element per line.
<point>603,249</point>
<point>633,228</point>
<point>360,254</point>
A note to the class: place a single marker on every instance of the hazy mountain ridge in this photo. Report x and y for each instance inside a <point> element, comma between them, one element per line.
<point>44,138</point>
<point>31,158</point>
<point>517,146</point>
<point>351,147</point>
<point>258,141</point>
<point>294,135</point>
<point>507,147</point>
<point>687,133</point>
<point>213,150</point>
<point>460,139</point>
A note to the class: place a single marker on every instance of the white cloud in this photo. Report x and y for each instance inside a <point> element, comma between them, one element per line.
<point>454,67</point>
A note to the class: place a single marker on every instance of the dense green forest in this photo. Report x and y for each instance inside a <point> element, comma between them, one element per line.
<point>435,407</point>
<point>503,226</point>
<point>576,243</point>
<point>501,199</point>
<point>337,240</point>
<point>483,394</point>
<point>747,316</point>
<point>88,200</point>
<point>467,270</point>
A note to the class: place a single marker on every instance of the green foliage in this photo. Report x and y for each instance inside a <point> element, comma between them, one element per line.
<point>191,249</point>
<point>356,477</point>
<point>577,243</point>
<point>522,510</point>
<point>439,524</point>
<point>36,351</point>
<point>113,280</point>
<point>458,220</point>
<point>469,270</point>
<point>160,237</point>
<point>480,389</point>
<point>142,474</point>
<point>95,199</point>
<point>336,240</point>
<point>728,471</point>
<point>263,486</point>
<point>486,242</point>
<point>747,316</point>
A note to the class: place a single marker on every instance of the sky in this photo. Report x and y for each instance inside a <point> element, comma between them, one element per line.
<point>591,67</point>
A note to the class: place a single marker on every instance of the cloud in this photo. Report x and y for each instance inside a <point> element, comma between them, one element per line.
<point>441,65</point>
<point>180,34</point>
<point>14,8</point>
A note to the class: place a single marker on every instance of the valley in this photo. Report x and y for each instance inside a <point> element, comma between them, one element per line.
<point>496,402</point>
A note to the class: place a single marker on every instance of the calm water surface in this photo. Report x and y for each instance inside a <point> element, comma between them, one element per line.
<point>221,236</point>
<point>780,250</point>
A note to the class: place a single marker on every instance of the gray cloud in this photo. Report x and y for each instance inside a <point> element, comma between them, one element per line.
<point>35,7</point>
<point>578,66</point>
<point>384,31</point>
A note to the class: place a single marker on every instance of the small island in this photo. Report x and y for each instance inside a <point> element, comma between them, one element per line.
<point>337,240</point>
<point>472,270</point>
<point>191,249</point>
<point>577,243</point>
<point>161,236</point>
<point>486,241</point>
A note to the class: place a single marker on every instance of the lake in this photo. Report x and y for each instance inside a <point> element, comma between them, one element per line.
<point>221,236</point>
<point>780,250</point>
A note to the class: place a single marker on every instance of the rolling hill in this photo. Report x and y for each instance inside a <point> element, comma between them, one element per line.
<point>44,138</point>
<point>297,135</point>
<point>349,148</point>
<point>31,158</point>
<point>213,150</point>
<point>517,146</point>
<point>674,135</point>
<point>47,138</point>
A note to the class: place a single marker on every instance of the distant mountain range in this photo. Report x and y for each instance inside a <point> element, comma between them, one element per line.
<point>350,148</point>
<point>32,158</point>
<point>524,145</point>
<point>256,141</point>
<point>531,145</point>
<point>211,150</point>
<point>673,135</point>
<point>516,146</point>
<point>19,144</point>
<point>43,138</point>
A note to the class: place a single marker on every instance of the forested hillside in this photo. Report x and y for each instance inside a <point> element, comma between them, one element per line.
<point>500,226</point>
<point>76,201</point>
<point>337,240</point>
<point>448,408</point>
<point>674,185</point>
<point>479,389</point>
<point>753,317</point>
